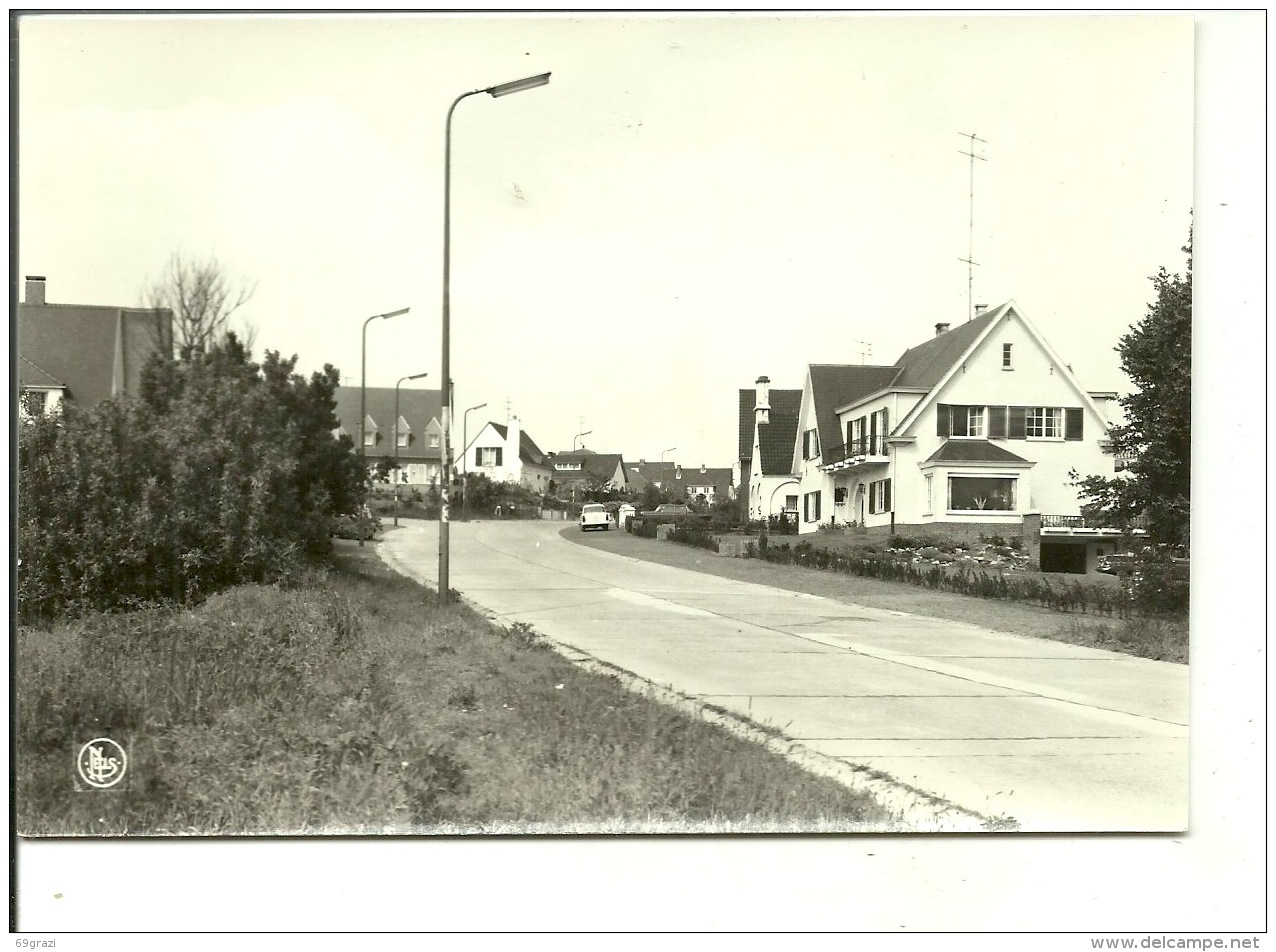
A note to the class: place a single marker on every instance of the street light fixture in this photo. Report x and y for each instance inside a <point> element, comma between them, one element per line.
<point>504,89</point>
<point>578,436</point>
<point>396,441</point>
<point>363,384</point>
<point>465,462</point>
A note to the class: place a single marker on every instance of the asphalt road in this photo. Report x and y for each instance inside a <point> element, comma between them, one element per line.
<point>1057,737</point>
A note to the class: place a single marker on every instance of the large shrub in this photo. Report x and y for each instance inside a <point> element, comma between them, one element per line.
<point>223,471</point>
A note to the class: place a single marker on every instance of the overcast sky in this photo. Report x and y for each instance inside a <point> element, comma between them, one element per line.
<point>690,202</point>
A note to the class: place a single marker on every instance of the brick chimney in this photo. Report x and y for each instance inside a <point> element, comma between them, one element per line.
<point>35,289</point>
<point>941,328</point>
<point>762,405</point>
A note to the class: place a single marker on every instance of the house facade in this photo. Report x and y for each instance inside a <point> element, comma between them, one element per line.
<point>506,454</point>
<point>576,472</point>
<point>413,437</point>
<point>83,353</point>
<point>770,417</point>
<point>964,435</point>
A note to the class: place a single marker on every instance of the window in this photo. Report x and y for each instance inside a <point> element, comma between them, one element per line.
<point>790,503</point>
<point>569,467</point>
<point>403,438</point>
<point>1044,423</point>
<point>930,493</point>
<point>369,437</point>
<point>879,496</point>
<point>972,493</point>
<point>811,507</point>
<point>489,456</point>
<point>955,420</point>
<point>1006,362</point>
<point>810,444</point>
<point>434,441</point>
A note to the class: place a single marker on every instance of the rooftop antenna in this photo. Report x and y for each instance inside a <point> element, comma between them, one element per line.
<point>970,254</point>
<point>507,408</point>
<point>865,351</point>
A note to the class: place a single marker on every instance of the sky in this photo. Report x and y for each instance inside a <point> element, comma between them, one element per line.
<point>692,201</point>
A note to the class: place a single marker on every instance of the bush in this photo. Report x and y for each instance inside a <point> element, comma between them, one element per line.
<point>223,471</point>
<point>696,535</point>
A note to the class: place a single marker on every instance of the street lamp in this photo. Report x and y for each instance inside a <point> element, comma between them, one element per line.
<point>578,436</point>
<point>396,441</point>
<point>465,461</point>
<point>504,89</point>
<point>363,385</point>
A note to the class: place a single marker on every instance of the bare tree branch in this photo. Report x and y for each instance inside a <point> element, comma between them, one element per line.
<point>202,296</point>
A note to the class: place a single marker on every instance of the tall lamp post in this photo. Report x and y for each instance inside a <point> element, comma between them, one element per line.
<point>396,441</point>
<point>578,436</point>
<point>363,384</point>
<point>504,89</point>
<point>465,463</point>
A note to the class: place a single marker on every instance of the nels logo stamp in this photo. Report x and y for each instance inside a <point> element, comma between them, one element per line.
<point>100,765</point>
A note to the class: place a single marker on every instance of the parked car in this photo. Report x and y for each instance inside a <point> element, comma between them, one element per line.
<point>594,516</point>
<point>671,512</point>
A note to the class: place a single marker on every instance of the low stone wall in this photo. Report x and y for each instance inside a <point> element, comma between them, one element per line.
<point>968,533</point>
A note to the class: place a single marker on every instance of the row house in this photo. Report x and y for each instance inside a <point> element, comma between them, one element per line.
<point>403,427</point>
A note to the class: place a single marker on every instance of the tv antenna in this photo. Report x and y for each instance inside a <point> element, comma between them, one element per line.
<point>865,350</point>
<point>970,253</point>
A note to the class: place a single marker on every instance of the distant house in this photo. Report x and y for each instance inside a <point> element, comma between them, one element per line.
<point>414,438</point>
<point>576,472</point>
<point>83,353</point>
<point>506,454</point>
<point>966,434</point>
<point>768,423</point>
<point>686,483</point>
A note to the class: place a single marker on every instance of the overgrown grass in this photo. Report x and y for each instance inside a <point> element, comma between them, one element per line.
<point>352,704</point>
<point>1162,639</point>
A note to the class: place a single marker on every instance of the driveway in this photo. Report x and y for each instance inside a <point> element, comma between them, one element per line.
<point>1057,737</point>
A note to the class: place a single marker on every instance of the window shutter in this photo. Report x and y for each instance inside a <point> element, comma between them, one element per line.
<point>498,455</point>
<point>886,423</point>
<point>886,498</point>
<point>1018,429</point>
<point>996,423</point>
<point>850,424</point>
<point>1073,423</point>
<point>941,419</point>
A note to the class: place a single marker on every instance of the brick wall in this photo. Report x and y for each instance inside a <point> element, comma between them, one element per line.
<point>968,532</point>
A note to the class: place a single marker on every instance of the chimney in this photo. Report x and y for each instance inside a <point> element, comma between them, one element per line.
<point>762,405</point>
<point>513,443</point>
<point>941,327</point>
<point>980,308</point>
<point>35,289</point>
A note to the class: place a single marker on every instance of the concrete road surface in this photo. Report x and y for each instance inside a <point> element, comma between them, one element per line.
<point>1057,737</point>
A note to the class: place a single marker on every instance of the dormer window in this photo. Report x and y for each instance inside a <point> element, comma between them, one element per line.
<point>403,433</point>
<point>434,441</point>
<point>1007,361</point>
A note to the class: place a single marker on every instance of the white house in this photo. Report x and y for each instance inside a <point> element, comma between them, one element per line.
<point>964,435</point>
<point>506,454</point>
<point>771,416</point>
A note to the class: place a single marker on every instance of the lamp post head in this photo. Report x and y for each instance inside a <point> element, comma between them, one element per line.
<point>517,86</point>
<point>402,310</point>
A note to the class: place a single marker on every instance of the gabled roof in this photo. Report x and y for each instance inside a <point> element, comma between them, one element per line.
<point>417,407</point>
<point>776,439</point>
<point>528,451</point>
<point>91,350</point>
<point>601,465</point>
<point>925,365</point>
<point>29,375</point>
<point>973,451</point>
<point>836,385</point>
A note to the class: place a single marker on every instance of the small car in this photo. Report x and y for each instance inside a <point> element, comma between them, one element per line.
<point>594,516</point>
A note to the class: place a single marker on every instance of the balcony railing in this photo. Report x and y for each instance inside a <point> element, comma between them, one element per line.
<point>870,449</point>
<point>1085,522</point>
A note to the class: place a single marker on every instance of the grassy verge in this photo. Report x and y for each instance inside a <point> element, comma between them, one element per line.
<point>1159,639</point>
<point>351,704</point>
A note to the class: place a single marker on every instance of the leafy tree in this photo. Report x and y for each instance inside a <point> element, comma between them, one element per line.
<point>1156,438</point>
